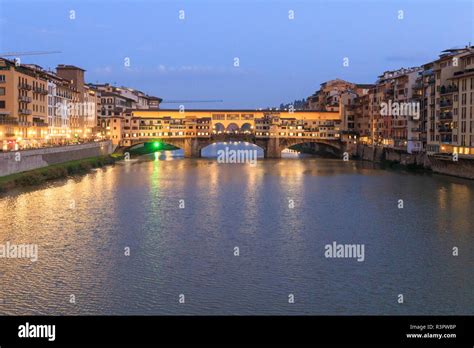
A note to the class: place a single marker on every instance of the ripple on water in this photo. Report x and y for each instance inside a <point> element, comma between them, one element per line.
<point>83,225</point>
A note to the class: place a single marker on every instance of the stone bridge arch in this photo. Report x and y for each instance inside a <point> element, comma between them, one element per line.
<point>289,142</point>
<point>272,147</point>
<point>178,142</point>
<point>277,145</point>
<point>232,128</point>
<point>219,128</point>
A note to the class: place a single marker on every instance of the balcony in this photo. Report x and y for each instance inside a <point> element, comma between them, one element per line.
<point>446,116</point>
<point>24,99</point>
<point>398,126</point>
<point>462,72</point>
<point>443,129</point>
<point>445,104</point>
<point>40,90</point>
<point>24,86</point>
<point>448,89</point>
<point>40,124</point>
<point>11,121</point>
<point>24,111</point>
<point>446,138</point>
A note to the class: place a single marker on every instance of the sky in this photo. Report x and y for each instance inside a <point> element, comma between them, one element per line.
<point>280,59</point>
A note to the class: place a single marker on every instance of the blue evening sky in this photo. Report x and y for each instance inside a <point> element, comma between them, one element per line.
<point>280,59</point>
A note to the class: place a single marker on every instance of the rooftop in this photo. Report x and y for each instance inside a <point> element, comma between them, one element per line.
<point>68,67</point>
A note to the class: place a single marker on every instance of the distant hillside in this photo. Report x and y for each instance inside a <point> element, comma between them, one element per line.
<point>297,105</point>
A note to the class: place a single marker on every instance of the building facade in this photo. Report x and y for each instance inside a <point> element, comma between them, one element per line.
<point>23,106</point>
<point>44,108</point>
<point>61,94</point>
<point>450,91</point>
<point>137,126</point>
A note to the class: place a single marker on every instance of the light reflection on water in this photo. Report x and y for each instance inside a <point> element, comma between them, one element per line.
<point>83,224</point>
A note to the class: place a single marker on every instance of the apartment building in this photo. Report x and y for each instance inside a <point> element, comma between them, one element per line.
<point>83,119</point>
<point>449,109</point>
<point>154,102</point>
<point>114,101</point>
<point>23,105</point>
<point>61,95</point>
<point>348,107</point>
<point>462,85</point>
<point>391,113</point>
<point>91,109</point>
<point>327,97</point>
<point>362,110</point>
<point>399,109</point>
<point>134,99</point>
<point>338,96</point>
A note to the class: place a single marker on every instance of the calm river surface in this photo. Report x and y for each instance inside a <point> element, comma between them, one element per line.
<point>82,226</point>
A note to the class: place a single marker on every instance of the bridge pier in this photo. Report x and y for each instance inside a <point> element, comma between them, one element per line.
<point>191,148</point>
<point>272,148</point>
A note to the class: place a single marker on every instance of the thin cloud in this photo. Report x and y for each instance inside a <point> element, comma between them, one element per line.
<point>103,70</point>
<point>196,69</point>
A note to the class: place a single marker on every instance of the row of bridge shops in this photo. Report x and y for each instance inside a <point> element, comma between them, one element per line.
<point>139,126</point>
<point>256,126</point>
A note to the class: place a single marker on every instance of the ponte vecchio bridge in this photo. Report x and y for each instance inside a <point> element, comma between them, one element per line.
<point>192,130</point>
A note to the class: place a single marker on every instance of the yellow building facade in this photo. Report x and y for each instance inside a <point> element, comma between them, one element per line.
<point>208,126</point>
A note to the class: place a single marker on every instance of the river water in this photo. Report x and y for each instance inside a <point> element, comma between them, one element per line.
<point>182,220</point>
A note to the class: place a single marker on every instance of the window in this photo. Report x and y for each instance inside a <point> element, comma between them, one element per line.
<point>2,104</point>
<point>2,90</point>
<point>2,78</point>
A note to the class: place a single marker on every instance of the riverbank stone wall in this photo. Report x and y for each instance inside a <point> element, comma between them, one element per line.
<point>19,161</point>
<point>463,168</point>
